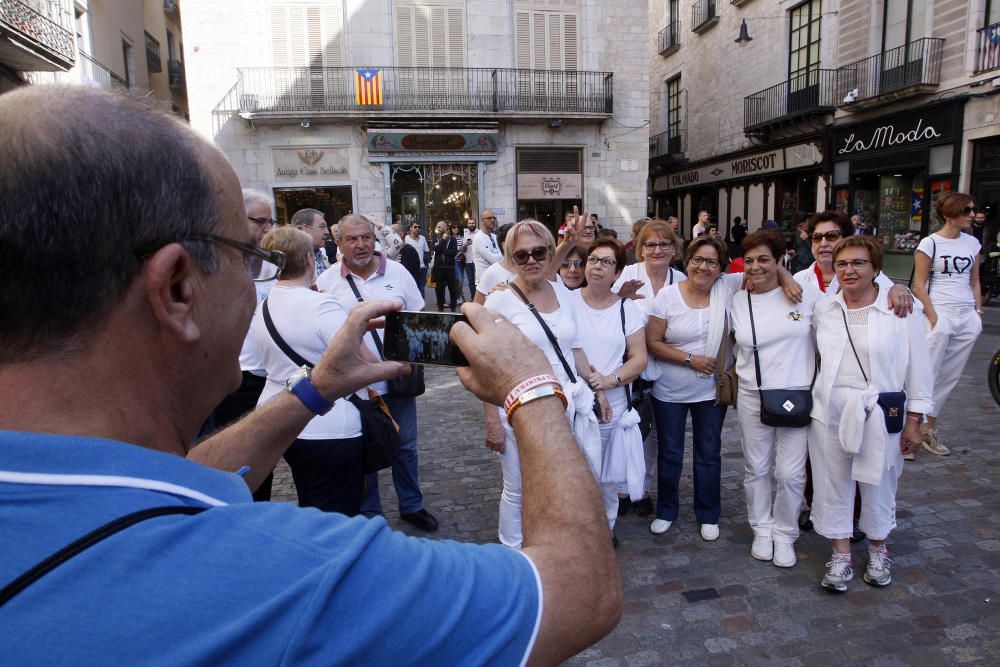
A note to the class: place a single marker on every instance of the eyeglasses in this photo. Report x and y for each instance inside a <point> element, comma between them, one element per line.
<point>594,260</point>
<point>856,264</point>
<point>539,254</point>
<point>261,265</point>
<point>969,210</point>
<point>488,217</point>
<point>589,228</point>
<point>263,222</point>
<point>698,260</point>
<point>572,263</point>
<point>830,236</point>
<point>662,245</point>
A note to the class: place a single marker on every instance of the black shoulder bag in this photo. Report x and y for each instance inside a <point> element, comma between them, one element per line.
<point>637,398</point>
<point>378,430</point>
<point>403,386</point>
<point>893,403</point>
<point>780,408</point>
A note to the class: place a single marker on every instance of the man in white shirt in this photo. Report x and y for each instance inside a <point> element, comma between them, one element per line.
<point>419,243</point>
<point>700,227</point>
<point>377,279</point>
<point>466,267</point>
<point>485,249</point>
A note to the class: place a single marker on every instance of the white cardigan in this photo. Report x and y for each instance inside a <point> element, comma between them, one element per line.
<point>900,360</point>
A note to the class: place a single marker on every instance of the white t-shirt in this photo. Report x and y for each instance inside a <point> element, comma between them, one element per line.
<point>808,277</point>
<point>466,242</point>
<point>603,342</point>
<point>495,275</point>
<point>307,320</point>
<point>562,322</point>
<point>250,359</point>
<point>390,282</point>
<point>952,267</point>
<point>638,272</point>
<point>785,341</point>
<point>485,252</point>
<point>420,245</point>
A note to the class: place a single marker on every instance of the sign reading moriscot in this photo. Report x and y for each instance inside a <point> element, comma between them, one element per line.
<point>779,159</point>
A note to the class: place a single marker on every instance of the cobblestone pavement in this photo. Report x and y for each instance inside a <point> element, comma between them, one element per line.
<point>694,602</point>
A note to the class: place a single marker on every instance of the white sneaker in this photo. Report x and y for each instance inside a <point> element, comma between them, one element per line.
<point>659,526</point>
<point>838,573</point>
<point>763,548</point>
<point>709,532</point>
<point>877,572</point>
<point>784,554</point>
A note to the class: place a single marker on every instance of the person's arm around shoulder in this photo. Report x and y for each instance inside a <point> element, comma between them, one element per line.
<point>565,530</point>
<point>921,274</point>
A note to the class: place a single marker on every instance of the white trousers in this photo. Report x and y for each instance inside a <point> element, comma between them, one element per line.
<point>951,343</point>
<point>510,530</point>
<point>833,486</point>
<point>764,448</point>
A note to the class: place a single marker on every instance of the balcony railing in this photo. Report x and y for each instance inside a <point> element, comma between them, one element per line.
<point>171,7</point>
<point>988,53</point>
<point>814,92</point>
<point>284,91</point>
<point>175,74</point>
<point>703,15</point>
<point>669,38</point>
<point>153,54</point>
<point>671,142</point>
<point>41,42</point>
<point>908,69</point>
<point>94,72</point>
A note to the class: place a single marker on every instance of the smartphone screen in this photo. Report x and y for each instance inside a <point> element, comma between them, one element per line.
<point>422,338</point>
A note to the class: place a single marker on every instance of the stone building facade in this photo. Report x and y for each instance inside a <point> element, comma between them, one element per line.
<point>419,110</point>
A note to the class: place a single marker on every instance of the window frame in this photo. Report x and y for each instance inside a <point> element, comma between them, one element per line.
<point>817,20</point>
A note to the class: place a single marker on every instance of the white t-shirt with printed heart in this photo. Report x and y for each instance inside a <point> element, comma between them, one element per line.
<point>951,268</point>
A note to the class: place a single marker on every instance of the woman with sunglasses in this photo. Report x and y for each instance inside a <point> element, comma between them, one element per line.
<point>572,268</point>
<point>946,280</point>
<point>613,336</point>
<point>532,299</point>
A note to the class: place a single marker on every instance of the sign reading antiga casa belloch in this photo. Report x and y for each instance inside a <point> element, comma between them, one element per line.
<point>549,186</point>
<point>904,131</point>
<point>416,141</point>
<point>311,163</point>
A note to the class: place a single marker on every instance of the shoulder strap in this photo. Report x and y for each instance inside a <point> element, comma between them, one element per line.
<point>548,332</point>
<point>853,349</point>
<point>753,331</point>
<point>82,544</point>
<point>930,274</point>
<point>628,391</point>
<point>361,299</point>
<point>296,358</point>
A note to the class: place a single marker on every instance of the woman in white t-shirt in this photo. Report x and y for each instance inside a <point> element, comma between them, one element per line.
<point>946,281</point>
<point>787,352</point>
<point>529,248</point>
<point>326,458</point>
<point>616,348</point>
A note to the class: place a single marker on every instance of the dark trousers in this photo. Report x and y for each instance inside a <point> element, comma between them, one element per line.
<point>706,424</point>
<point>444,276</point>
<point>328,474</point>
<point>234,406</point>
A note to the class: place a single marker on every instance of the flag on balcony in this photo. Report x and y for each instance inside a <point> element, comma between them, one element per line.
<point>368,86</point>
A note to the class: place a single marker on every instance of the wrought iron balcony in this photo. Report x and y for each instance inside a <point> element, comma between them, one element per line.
<point>669,143</point>
<point>175,75</point>
<point>172,7</point>
<point>669,38</point>
<point>293,92</point>
<point>153,54</point>
<point>703,15</point>
<point>33,41</point>
<point>988,48</point>
<point>804,95</point>
<point>94,72</point>
<point>906,70</point>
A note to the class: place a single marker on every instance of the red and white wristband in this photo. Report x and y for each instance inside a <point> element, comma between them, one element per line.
<point>530,383</point>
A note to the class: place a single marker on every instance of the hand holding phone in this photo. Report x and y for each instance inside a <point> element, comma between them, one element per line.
<point>418,337</point>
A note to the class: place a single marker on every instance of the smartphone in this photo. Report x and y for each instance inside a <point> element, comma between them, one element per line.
<point>422,338</point>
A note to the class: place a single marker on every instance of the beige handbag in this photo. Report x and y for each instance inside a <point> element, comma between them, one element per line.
<point>726,380</point>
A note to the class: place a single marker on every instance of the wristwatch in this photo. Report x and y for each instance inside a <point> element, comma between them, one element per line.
<point>300,384</point>
<point>687,362</point>
<point>618,380</point>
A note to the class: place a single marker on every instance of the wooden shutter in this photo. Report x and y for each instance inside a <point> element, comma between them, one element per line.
<point>305,39</point>
<point>431,36</point>
<point>547,40</point>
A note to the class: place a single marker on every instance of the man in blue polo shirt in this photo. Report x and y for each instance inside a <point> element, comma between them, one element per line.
<point>111,359</point>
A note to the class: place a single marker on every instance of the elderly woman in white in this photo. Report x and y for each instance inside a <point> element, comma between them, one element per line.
<point>866,350</point>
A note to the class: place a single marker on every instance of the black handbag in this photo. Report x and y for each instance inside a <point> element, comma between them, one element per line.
<point>893,403</point>
<point>379,431</point>
<point>780,408</point>
<point>402,386</point>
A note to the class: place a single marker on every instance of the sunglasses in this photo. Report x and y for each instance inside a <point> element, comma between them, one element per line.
<point>539,254</point>
<point>572,263</point>
<point>829,236</point>
<point>970,210</point>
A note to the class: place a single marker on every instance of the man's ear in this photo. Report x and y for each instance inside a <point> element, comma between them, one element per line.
<point>170,285</point>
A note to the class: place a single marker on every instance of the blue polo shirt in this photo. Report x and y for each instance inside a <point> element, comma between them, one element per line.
<point>240,583</point>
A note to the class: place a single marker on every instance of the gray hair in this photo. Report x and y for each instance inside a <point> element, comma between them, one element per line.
<point>304,217</point>
<point>251,197</point>
<point>92,182</point>
<point>351,218</point>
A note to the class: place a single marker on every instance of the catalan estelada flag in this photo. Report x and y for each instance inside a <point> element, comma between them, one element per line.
<point>368,86</point>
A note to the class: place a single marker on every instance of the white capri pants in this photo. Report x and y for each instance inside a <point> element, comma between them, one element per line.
<point>951,343</point>
<point>833,486</point>
<point>763,447</point>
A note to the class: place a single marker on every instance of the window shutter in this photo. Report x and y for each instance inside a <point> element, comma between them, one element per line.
<point>523,39</point>
<point>404,36</point>
<point>305,38</point>
<point>456,37</point>
<point>333,30</point>
<point>421,37</point>
<point>570,47</point>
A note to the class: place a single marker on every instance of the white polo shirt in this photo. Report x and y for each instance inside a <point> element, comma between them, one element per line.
<point>390,282</point>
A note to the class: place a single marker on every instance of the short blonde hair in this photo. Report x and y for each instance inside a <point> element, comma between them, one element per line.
<point>655,226</point>
<point>297,246</point>
<point>527,227</point>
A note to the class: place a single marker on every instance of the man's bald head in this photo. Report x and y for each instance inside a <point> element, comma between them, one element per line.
<point>91,182</point>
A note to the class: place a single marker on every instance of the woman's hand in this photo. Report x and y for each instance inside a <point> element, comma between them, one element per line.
<point>931,317</point>
<point>900,300</point>
<point>600,381</point>
<point>495,435</point>
<point>910,440</point>
<point>792,289</point>
<point>602,402</point>
<point>704,365</point>
<point>630,289</point>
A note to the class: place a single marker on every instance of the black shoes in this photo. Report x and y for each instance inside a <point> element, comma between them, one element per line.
<point>643,507</point>
<point>859,535</point>
<point>422,519</point>
<point>805,520</point>
<point>624,505</point>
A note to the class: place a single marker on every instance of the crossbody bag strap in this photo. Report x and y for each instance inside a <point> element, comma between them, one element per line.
<point>853,349</point>
<point>628,391</point>
<point>547,330</point>
<point>930,274</point>
<point>296,358</point>
<point>81,544</point>
<point>753,331</point>
<point>361,299</point>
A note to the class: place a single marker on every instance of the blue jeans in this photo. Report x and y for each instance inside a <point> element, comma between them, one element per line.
<point>404,467</point>
<point>706,422</point>
<point>470,277</point>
